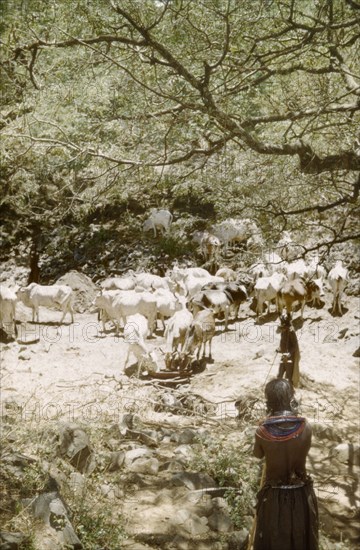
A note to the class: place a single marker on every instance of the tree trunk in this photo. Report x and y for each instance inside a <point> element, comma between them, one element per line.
<point>34,275</point>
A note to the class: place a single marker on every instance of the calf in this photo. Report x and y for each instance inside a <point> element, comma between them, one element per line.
<point>148,281</point>
<point>192,285</point>
<point>237,230</point>
<point>136,331</point>
<point>58,296</point>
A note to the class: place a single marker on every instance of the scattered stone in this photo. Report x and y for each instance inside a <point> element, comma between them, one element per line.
<point>148,466</point>
<point>186,437</point>
<point>11,541</point>
<point>172,466</point>
<point>77,483</point>
<point>131,544</point>
<point>126,423</point>
<point>117,460</point>
<point>24,356</point>
<point>191,523</point>
<point>142,437</point>
<point>108,491</point>
<point>193,480</point>
<point>185,451</point>
<point>238,540</point>
<point>220,521</point>
<point>135,454</point>
<point>346,453</point>
<point>324,431</point>
<point>74,444</point>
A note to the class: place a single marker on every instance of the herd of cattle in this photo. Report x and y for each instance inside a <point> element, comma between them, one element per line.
<point>187,301</point>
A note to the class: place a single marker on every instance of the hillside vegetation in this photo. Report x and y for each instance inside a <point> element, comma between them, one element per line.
<point>213,109</point>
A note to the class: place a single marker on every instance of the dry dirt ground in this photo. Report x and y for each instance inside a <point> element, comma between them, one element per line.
<point>75,372</point>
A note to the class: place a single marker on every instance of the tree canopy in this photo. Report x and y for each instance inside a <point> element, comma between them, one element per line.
<point>253,105</point>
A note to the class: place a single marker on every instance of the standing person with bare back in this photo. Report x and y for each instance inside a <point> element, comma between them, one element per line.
<point>287,514</point>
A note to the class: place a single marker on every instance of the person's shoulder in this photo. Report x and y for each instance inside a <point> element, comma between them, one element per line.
<point>260,426</point>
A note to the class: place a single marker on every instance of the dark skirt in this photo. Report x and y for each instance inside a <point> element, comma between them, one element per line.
<point>287,518</point>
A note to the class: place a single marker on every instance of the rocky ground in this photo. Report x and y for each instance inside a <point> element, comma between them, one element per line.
<point>143,464</point>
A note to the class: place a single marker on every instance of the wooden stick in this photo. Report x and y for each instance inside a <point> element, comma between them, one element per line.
<point>253,528</point>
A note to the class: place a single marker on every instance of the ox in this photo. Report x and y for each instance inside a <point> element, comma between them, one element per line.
<point>57,296</point>
<point>8,301</point>
<point>232,231</point>
<point>297,290</point>
<point>121,304</point>
<point>158,219</point>
<point>338,278</point>
<point>266,289</point>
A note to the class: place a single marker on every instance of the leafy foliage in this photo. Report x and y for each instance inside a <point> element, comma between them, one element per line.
<point>217,108</point>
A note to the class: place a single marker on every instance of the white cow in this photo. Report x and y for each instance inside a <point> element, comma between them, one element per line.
<point>167,304</point>
<point>158,219</point>
<point>118,283</point>
<point>57,296</point>
<point>297,270</point>
<point>175,332</point>
<point>287,247</point>
<point>266,289</point>
<point>136,331</point>
<point>177,276</point>
<point>228,274</point>
<point>119,305</point>
<point>192,285</point>
<point>8,301</point>
<point>274,263</point>
<point>233,230</point>
<point>210,246</point>
<point>148,281</point>
<point>338,279</point>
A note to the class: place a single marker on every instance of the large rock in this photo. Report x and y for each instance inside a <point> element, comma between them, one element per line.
<point>50,508</point>
<point>84,289</point>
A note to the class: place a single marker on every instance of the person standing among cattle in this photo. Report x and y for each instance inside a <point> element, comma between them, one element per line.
<point>287,513</point>
<point>290,351</point>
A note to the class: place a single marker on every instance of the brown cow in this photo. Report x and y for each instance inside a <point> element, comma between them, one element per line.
<point>297,290</point>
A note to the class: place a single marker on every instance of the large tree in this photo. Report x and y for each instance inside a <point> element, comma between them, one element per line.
<point>254,101</point>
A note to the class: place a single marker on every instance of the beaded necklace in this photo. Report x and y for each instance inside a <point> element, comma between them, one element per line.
<point>272,428</point>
